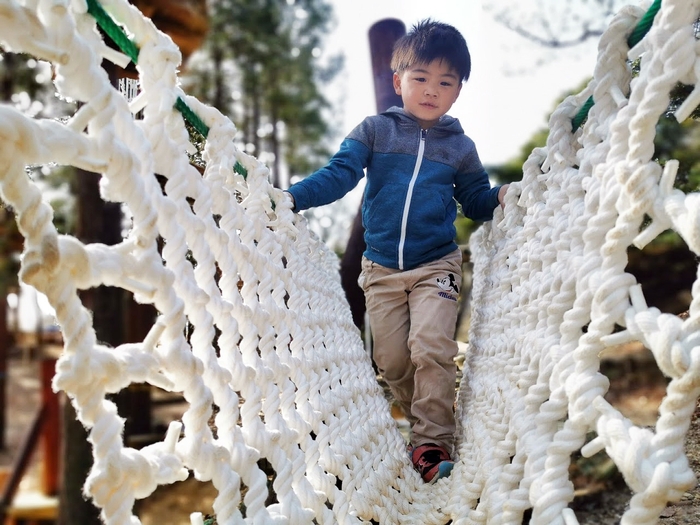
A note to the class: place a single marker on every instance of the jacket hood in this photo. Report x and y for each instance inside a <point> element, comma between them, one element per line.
<point>446,124</point>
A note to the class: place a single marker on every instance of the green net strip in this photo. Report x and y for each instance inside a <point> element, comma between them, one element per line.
<point>117,34</point>
<point>641,29</point>
<point>113,30</point>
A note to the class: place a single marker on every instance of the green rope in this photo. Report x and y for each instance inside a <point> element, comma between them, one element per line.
<point>582,113</point>
<point>199,125</point>
<point>240,169</point>
<point>113,30</point>
<point>643,26</point>
<point>191,117</point>
<point>117,34</point>
<point>639,31</point>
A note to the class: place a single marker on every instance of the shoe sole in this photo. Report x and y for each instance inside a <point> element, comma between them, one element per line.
<point>444,470</point>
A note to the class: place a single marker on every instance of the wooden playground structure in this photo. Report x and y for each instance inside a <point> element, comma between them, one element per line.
<point>31,424</point>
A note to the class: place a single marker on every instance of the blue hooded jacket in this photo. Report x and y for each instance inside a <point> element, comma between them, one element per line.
<point>413,179</point>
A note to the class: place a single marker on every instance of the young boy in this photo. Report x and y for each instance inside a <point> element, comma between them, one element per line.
<point>418,161</point>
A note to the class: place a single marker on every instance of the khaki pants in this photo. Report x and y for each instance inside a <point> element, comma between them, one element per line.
<point>413,316</point>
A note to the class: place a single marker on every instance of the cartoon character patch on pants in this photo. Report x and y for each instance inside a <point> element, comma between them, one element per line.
<point>448,287</point>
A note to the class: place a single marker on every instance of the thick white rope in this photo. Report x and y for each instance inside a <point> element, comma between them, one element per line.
<point>288,371</point>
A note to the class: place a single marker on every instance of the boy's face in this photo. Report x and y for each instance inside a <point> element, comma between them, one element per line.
<point>428,90</point>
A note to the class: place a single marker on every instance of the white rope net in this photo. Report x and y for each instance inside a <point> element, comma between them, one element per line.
<point>291,379</point>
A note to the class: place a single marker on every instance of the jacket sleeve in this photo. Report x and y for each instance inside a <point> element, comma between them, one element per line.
<point>473,190</point>
<point>477,197</point>
<point>335,179</point>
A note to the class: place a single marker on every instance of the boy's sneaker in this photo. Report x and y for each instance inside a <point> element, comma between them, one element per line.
<point>432,462</point>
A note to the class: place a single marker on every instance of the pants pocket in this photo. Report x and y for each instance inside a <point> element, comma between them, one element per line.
<point>365,266</point>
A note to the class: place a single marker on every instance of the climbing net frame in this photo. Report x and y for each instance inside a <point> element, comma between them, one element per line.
<point>273,346</point>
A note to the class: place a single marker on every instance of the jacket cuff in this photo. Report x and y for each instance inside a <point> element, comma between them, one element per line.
<point>299,197</point>
<point>294,201</point>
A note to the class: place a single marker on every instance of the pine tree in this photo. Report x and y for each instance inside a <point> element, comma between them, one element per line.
<point>262,68</point>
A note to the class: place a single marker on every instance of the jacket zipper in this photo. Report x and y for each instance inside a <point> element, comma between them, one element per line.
<point>409,194</point>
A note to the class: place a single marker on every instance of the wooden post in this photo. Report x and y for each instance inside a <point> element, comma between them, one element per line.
<point>382,37</point>
<point>4,351</point>
<point>51,425</point>
<point>136,399</point>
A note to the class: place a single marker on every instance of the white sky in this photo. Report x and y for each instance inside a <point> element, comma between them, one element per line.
<point>507,97</point>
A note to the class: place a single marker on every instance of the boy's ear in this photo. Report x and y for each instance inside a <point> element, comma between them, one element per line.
<point>397,83</point>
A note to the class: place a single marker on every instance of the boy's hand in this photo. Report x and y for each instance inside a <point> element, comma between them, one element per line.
<point>294,204</point>
<point>501,195</point>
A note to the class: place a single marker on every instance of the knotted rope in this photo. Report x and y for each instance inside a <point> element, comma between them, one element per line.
<point>273,346</point>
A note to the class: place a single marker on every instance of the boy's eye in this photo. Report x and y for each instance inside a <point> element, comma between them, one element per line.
<point>446,84</point>
<point>420,79</point>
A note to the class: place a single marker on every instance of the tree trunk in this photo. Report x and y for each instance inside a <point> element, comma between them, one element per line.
<point>275,147</point>
<point>5,342</point>
<point>220,89</point>
<point>255,123</point>
<point>97,221</point>
<point>7,81</point>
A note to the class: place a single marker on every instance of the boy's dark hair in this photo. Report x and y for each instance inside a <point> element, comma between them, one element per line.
<point>429,40</point>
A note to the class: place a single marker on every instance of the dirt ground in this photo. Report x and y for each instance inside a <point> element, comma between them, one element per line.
<point>606,506</point>
<point>637,388</point>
